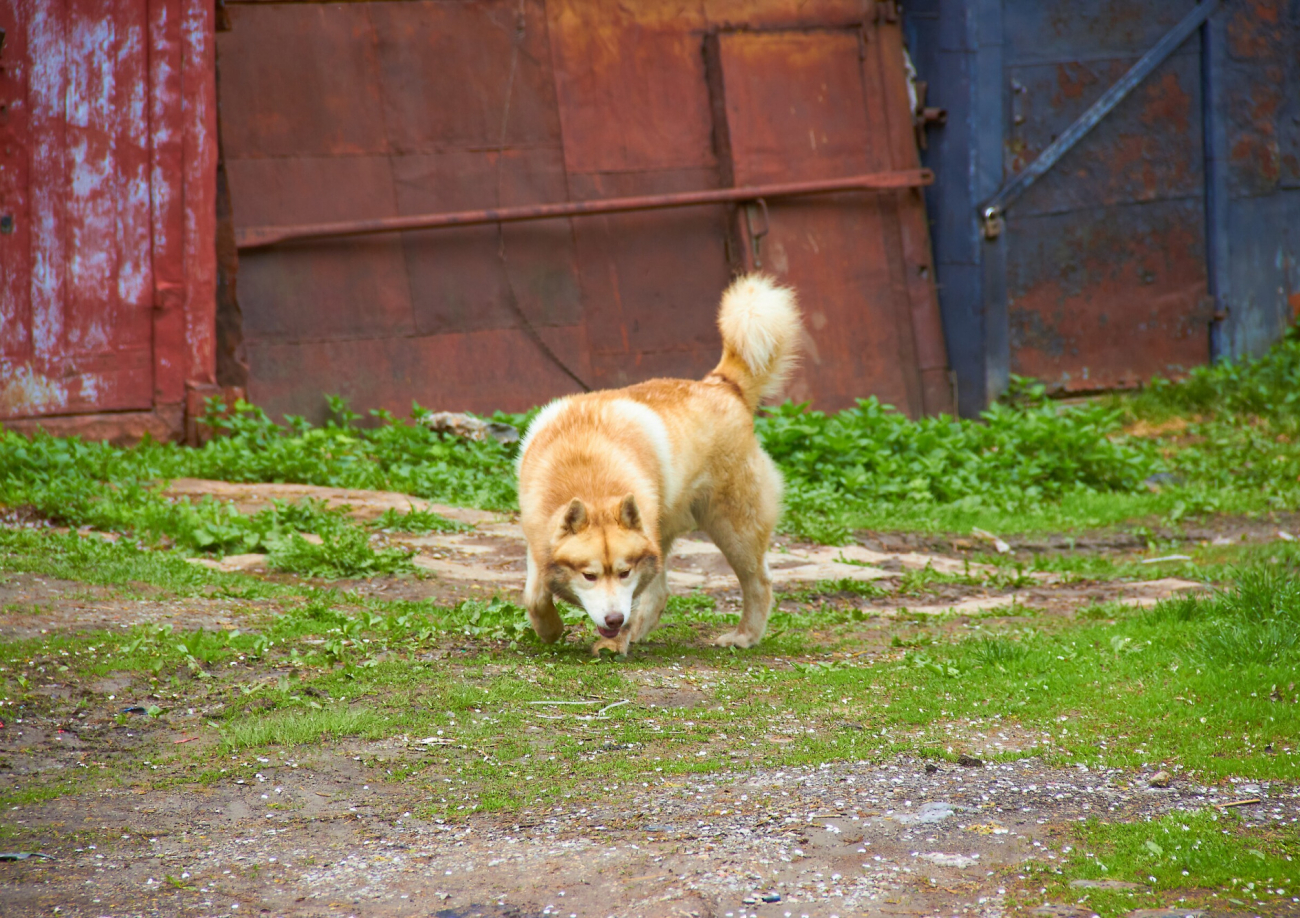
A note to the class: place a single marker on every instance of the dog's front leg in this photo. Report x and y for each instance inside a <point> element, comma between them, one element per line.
<point>649,606</point>
<point>539,602</point>
<point>616,644</point>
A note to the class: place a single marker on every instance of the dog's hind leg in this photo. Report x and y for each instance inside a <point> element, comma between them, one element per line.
<point>539,602</point>
<point>740,521</point>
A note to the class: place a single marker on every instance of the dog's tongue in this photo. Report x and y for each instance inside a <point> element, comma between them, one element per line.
<point>608,632</point>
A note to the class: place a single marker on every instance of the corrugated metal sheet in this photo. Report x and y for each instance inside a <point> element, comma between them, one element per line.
<point>106,190</point>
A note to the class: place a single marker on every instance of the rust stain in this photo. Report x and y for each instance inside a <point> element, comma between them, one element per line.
<point>1261,153</point>
<point>1142,287</point>
<point>1072,81</point>
<point>1166,102</point>
<point>1253,28</point>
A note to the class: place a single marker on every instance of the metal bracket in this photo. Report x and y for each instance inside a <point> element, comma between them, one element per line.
<point>756,236</point>
<point>992,222</point>
<point>993,211</point>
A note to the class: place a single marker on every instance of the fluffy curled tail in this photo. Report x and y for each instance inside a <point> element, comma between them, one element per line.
<point>761,329</point>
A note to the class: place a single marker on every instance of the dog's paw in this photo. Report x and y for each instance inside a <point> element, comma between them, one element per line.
<point>549,635</point>
<point>736,639</point>
<point>618,645</point>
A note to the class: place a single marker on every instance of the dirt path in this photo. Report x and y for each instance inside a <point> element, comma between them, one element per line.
<point>315,834</point>
<point>491,556</point>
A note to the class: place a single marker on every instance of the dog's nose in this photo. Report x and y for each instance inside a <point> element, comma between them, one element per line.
<point>614,620</point>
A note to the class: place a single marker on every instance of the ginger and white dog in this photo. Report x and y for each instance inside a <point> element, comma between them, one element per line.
<point>607,480</point>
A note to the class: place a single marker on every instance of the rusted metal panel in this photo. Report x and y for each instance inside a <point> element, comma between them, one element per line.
<point>646,279</point>
<point>306,293</point>
<point>87,337</point>
<point>1260,79</point>
<point>501,79</point>
<point>301,80</point>
<point>1103,301</point>
<point>1261,101</point>
<point>15,207</point>
<point>1147,149</point>
<point>107,141</point>
<point>1166,237</point>
<point>495,108</point>
<point>917,262</point>
<point>634,106</point>
<point>476,371</point>
<point>629,81</point>
<point>466,279</point>
<point>1105,261</point>
<point>814,102</point>
<point>199,178</point>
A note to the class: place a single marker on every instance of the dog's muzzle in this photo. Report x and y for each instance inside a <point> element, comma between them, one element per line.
<point>613,622</point>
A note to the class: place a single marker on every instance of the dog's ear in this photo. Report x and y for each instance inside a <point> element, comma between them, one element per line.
<point>629,515</point>
<point>575,518</point>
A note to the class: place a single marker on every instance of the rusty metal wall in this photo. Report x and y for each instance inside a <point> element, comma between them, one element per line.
<point>1106,274</point>
<point>1169,235</point>
<point>107,165</point>
<point>381,109</point>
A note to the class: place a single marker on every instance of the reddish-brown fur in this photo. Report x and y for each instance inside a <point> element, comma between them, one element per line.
<point>608,480</point>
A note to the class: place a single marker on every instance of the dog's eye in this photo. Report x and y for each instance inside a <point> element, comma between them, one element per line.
<point>591,577</point>
<point>623,575</point>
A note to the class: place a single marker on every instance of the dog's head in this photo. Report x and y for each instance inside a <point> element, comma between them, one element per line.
<point>602,558</point>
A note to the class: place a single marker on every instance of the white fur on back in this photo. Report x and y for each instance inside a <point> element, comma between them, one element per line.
<point>760,324</point>
<point>544,417</point>
<point>641,416</point>
<point>652,426</point>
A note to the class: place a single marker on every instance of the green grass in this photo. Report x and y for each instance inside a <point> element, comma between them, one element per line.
<point>1203,686</point>
<point>294,727</point>
<point>121,563</point>
<point>418,521</point>
<point>78,484</point>
<point>1206,858</point>
<point>344,551</point>
<point>1029,465</point>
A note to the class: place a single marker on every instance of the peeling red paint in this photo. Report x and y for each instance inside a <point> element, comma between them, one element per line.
<point>109,175</point>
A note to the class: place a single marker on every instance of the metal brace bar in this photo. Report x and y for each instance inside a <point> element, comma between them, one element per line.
<point>257,237</point>
<point>992,212</point>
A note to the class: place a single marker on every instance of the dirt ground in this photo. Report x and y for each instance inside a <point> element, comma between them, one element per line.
<point>322,831</point>
<point>317,835</point>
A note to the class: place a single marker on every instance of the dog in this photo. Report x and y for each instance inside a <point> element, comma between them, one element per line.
<point>608,479</point>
